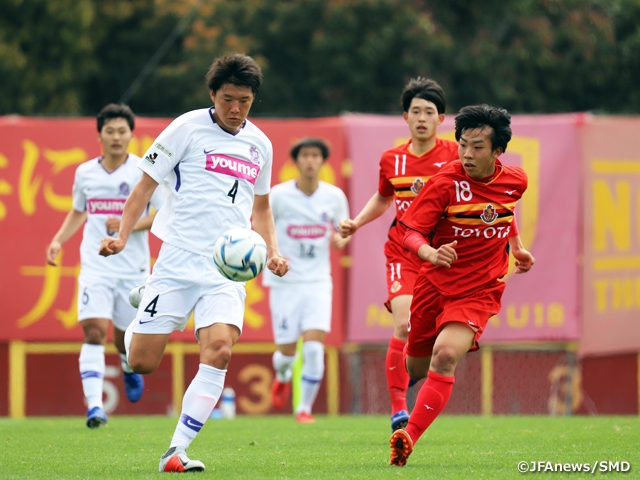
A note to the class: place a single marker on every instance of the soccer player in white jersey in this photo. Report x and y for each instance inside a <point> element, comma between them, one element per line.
<point>306,212</point>
<point>217,165</point>
<point>100,189</point>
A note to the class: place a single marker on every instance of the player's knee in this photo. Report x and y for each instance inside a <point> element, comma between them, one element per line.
<point>445,359</point>
<point>417,372</point>
<point>94,336</point>
<point>217,354</point>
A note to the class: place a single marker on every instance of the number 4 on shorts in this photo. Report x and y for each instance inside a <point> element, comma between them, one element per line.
<point>151,308</point>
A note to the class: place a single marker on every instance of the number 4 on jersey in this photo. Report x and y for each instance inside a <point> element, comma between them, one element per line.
<point>233,191</point>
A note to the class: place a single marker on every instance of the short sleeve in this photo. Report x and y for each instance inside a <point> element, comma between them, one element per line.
<point>165,153</point>
<point>427,208</point>
<point>385,188</point>
<point>263,182</point>
<point>79,199</point>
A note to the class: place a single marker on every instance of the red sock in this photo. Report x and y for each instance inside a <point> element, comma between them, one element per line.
<point>397,376</point>
<point>431,400</point>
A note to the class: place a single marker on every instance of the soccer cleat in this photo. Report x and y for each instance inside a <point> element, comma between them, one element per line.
<point>401,447</point>
<point>133,386</point>
<point>399,420</point>
<point>304,417</point>
<point>96,417</point>
<point>280,392</point>
<point>135,295</point>
<point>176,460</point>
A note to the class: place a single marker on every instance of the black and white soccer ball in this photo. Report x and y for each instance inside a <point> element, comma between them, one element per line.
<point>240,254</point>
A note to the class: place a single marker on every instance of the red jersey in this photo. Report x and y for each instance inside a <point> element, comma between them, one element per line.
<point>478,215</point>
<point>403,174</point>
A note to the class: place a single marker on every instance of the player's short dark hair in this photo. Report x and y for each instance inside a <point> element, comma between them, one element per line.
<point>235,69</point>
<point>114,110</point>
<point>479,116</point>
<point>309,142</point>
<point>426,89</point>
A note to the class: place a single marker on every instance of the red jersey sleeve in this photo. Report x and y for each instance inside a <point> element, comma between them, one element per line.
<point>385,188</point>
<point>428,207</point>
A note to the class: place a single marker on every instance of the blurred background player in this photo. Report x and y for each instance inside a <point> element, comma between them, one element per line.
<point>306,213</point>
<point>403,172</point>
<point>100,189</point>
<point>216,165</point>
<point>459,287</point>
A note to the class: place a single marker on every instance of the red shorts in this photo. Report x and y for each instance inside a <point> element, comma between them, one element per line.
<point>402,271</point>
<point>430,310</point>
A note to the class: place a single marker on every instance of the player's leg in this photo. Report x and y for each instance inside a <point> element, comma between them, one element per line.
<point>396,371</point>
<point>218,319</point>
<point>312,373</point>
<point>283,359</point>
<point>285,319</point>
<point>92,367</point>
<point>124,314</point>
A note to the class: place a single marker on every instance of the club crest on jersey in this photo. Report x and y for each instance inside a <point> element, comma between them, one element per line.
<point>254,154</point>
<point>418,183</point>
<point>324,217</point>
<point>395,287</point>
<point>124,188</point>
<point>489,214</point>
<point>151,158</point>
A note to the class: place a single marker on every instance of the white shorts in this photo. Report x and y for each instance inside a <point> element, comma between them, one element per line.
<point>183,282</point>
<point>297,308</point>
<point>106,298</point>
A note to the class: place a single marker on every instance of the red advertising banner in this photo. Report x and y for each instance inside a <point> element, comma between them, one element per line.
<point>541,305</point>
<point>38,158</point>
<point>611,279</point>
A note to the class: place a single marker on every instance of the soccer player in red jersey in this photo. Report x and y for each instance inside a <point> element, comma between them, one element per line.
<point>403,172</point>
<point>467,211</point>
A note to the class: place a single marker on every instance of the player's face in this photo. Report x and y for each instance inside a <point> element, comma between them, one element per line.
<point>423,119</point>
<point>309,162</point>
<point>476,153</point>
<point>115,137</point>
<point>232,105</point>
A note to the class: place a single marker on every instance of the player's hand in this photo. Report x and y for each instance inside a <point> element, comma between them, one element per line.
<point>338,241</point>
<point>111,246</point>
<point>524,260</point>
<point>278,265</point>
<point>52,252</point>
<point>113,225</point>
<point>347,227</point>
<point>445,255</point>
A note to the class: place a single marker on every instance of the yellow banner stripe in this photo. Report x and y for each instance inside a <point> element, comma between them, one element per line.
<point>615,166</point>
<point>616,263</point>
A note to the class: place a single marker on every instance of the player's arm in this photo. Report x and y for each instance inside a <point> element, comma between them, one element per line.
<point>113,223</point>
<point>442,256</point>
<point>524,259</point>
<point>133,209</point>
<point>72,222</point>
<point>374,208</point>
<point>263,224</point>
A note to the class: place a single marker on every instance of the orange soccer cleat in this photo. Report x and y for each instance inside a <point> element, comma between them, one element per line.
<point>280,392</point>
<point>176,460</point>
<point>401,447</point>
<point>304,417</point>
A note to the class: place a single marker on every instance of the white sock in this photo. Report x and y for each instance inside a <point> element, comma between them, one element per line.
<point>92,373</point>
<point>125,364</point>
<point>198,402</point>
<point>282,365</point>
<point>312,373</point>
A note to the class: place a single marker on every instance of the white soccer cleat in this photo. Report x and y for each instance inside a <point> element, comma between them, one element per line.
<point>176,460</point>
<point>135,296</point>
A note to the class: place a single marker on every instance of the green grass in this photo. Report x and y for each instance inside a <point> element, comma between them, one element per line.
<point>333,448</point>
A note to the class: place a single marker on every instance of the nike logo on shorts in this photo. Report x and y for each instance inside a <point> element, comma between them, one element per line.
<point>142,323</point>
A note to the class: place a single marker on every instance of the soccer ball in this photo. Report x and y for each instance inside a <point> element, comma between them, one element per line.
<point>240,254</point>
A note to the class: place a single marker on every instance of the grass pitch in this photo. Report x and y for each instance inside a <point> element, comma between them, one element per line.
<point>275,447</point>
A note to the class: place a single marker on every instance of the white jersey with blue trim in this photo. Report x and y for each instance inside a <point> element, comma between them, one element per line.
<point>304,225</point>
<point>102,195</point>
<point>212,176</point>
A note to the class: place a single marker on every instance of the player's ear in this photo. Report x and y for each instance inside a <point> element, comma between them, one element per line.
<point>212,94</point>
<point>405,115</point>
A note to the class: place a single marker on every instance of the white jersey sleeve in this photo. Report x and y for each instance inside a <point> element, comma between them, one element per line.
<point>211,176</point>
<point>304,226</point>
